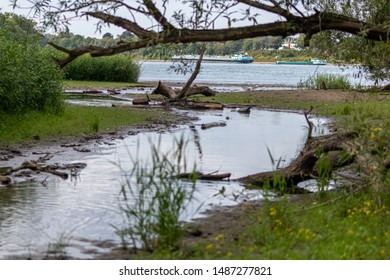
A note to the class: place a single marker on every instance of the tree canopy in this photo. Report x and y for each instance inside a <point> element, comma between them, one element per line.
<point>169,21</point>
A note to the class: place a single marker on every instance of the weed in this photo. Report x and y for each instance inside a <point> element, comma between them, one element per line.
<point>154,199</point>
<point>325,81</point>
<point>57,249</point>
<point>95,124</point>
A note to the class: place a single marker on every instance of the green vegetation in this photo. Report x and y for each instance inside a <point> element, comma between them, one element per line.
<point>119,68</point>
<point>154,199</point>
<point>326,81</point>
<point>345,226</point>
<point>72,84</point>
<point>29,78</point>
<point>73,120</point>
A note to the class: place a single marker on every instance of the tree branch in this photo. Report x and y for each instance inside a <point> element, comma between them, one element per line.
<point>193,76</point>
<point>158,16</point>
<point>276,9</point>
<point>309,25</point>
<point>122,22</point>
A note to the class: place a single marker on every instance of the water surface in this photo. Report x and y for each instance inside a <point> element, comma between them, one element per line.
<point>84,210</point>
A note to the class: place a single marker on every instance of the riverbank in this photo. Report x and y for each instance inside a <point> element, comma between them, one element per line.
<point>296,225</point>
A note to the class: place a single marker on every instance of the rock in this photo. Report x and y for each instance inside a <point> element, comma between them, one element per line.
<point>141,101</point>
<point>5,180</point>
<point>245,110</point>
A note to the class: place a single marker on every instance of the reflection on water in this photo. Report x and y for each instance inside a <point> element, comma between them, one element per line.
<point>85,207</point>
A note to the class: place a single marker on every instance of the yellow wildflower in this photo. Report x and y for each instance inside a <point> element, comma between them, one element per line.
<point>219,237</point>
<point>367,203</point>
<point>272,211</point>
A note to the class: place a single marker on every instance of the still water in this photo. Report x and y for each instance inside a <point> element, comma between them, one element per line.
<point>83,212</point>
<point>253,75</point>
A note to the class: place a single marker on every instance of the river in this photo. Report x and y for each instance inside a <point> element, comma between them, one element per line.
<point>254,75</point>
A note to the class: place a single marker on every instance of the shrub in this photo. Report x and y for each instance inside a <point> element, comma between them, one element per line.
<point>29,78</point>
<point>119,68</point>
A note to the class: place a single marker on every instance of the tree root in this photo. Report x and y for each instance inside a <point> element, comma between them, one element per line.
<point>306,165</point>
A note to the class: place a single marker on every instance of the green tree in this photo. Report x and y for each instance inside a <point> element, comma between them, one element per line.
<point>29,78</point>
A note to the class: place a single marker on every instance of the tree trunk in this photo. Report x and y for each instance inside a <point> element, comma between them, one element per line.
<point>305,166</point>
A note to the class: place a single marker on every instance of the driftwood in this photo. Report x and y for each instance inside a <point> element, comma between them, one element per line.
<point>246,110</point>
<point>172,94</point>
<point>33,165</point>
<point>52,169</point>
<point>305,165</point>
<point>213,124</point>
<point>198,105</point>
<point>92,91</point>
<point>386,88</point>
<point>201,176</point>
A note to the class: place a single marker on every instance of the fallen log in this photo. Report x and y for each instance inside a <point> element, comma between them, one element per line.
<point>201,176</point>
<point>213,124</point>
<point>197,105</point>
<point>32,165</point>
<point>305,166</point>
<point>173,94</point>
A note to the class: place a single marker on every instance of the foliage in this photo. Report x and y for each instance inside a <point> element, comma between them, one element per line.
<point>29,78</point>
<point>120,68</point>
<point>154,199</point>
<point>326,81</point>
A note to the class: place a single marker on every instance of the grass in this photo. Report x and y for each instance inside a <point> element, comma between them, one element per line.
<point>326,81</point>
<point>154,199</point>
<point>74,120</point>
<point>73,84</point>
<point>345,227</point>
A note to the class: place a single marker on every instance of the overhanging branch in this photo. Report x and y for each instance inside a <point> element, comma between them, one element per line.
<point>308,25</point>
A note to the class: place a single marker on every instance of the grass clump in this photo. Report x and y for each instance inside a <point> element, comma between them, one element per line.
<point>326,81</point>
<point>118,68</point>
<point>154,199</point>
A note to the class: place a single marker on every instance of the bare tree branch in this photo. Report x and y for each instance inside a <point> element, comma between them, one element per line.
<point>158,16</point>
<point>193,76</point>
<point>124,23</point>
<point>276,9</point>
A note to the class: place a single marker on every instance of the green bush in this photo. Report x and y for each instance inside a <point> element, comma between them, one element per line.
<point>326,81</point>
<point>119,68</point>
<point>29,78</point>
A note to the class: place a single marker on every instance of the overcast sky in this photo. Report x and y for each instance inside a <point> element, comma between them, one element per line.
<point>88,28</point>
